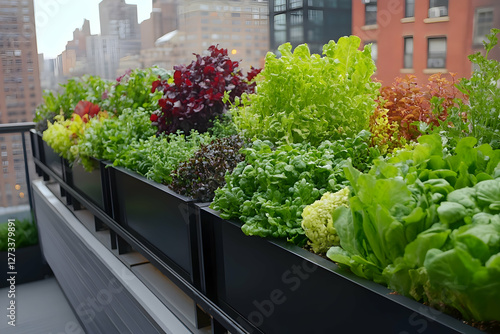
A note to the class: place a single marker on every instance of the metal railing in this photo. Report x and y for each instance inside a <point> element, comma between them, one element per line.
<point>22,129</point>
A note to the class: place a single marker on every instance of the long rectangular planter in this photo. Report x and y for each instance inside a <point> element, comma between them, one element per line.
<point>271,286</point>
<point>50,158</point>
<point>92,185</point>
<point>34,135</point>
<point>161,219</point>
<point>35,149</point>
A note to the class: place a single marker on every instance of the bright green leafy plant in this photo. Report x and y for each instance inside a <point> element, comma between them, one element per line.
<point>308,98</point>
<point>483,108</point>
<point>270,189</point>
<point>133,90</point>
<point>87,88</point>
<point>158,156</point>
<point>419,234</point>
<point>111,138</point>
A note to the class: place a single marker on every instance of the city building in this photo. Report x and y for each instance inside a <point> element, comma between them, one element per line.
<point>424,37</point>
<point>166,51</point>
<point>486,16</point>
<point>19,93</point>
<point>79,42</point>
<point>240,26</point>
<point>163,19</point>
<point>103,55</point>
<point>314,22</point>
<point>119,19</point>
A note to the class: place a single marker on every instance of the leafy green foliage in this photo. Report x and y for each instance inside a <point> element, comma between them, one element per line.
<point>418,235</point>
<point>111,138</point>
<point>202,174</point>
<point>307,98</point>
<point>133,90</point>
<point>483,108</point>
<point>157,156</point>
<point>269,190</point>
<point>223,127</point>
<point>318,221</point>
<point>87,88</point>
<point>25,231</point>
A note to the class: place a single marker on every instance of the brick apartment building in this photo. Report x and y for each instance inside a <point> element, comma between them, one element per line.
<point>424,37</point>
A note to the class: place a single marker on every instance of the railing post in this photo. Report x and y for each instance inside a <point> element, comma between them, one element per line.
<point>26,171</point>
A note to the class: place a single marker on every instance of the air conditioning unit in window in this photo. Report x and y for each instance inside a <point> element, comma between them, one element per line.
<point>438,11</point>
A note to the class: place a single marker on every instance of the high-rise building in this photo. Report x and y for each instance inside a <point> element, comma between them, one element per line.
<point>168,21</point>
<point>314,22</point>
<point>241,26</point>
<point>79,42</point>
<point>19,93</point>
<point>103,55</point>
<point>163,20</point>
<point>119,19</point>
<point>426,36</point>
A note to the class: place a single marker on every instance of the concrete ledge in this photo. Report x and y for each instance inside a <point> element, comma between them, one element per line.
<point>408,20</point>
<point>434,70</point>
<point>437,19</point>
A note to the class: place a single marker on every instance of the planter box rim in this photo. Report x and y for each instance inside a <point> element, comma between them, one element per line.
<point>411,304</point>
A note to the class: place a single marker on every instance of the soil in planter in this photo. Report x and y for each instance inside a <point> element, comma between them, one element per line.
<point>489,327</point>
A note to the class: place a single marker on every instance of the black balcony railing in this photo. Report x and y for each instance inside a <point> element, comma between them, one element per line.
<point>21,129</point>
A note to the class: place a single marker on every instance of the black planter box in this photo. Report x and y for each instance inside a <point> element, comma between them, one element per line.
<point>35,139</point>
<point>34,143</point>
<point>275,287</point>
<point>93,186</point>
<point>162,220</point>
<point>50,158</point>
<point>29,266</point>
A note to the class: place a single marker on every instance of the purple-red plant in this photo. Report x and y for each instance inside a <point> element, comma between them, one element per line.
<point>195,96</point>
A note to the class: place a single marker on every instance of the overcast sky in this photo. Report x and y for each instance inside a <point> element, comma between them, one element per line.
<point>57,19</point>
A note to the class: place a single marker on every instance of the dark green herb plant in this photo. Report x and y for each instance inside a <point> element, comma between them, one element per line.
<point>201,175</point>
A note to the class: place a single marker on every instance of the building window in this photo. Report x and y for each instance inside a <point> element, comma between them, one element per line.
<point>317,3</point>
<point>315,16</point>
<point>483,22</point>
<point>408,56</point>
<point>409,8</point>
<point>370,12</point>
<point>280,28</point>
<point>279,5</point>
<point>296,4</point>
<point>297,34</point>
<point>296,17</point>
<point>436,54</point>
<point>438,8</point>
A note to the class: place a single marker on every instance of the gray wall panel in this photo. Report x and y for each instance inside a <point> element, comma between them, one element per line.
<point>102,302</point>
